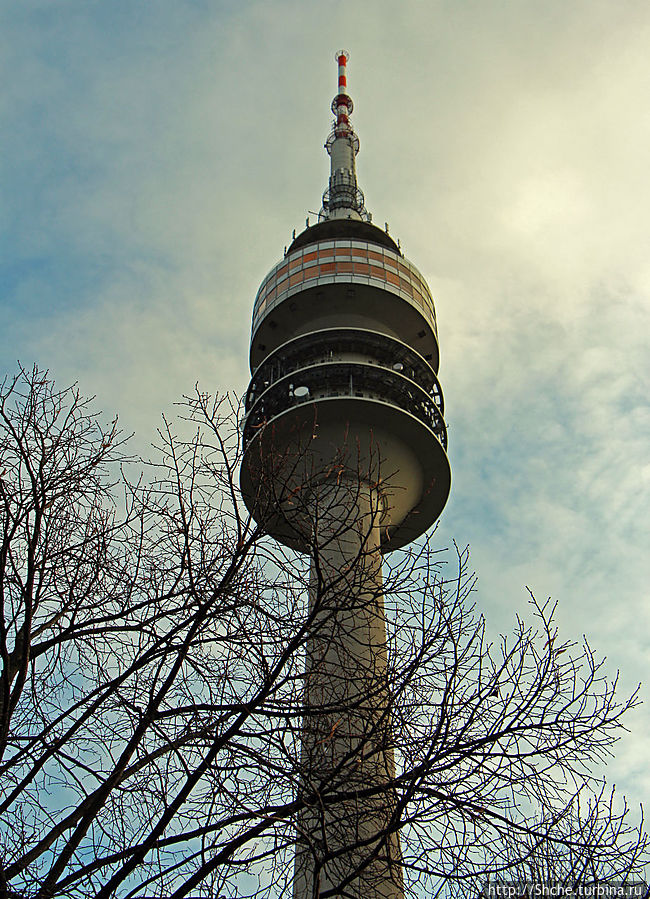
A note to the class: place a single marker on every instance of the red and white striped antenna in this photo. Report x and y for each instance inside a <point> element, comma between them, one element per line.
<point>342,105</point>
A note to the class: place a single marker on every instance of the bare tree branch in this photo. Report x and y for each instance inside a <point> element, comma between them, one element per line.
<point>162,661</point>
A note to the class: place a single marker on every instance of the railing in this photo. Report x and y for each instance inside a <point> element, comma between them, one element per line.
<point>308,385</point>
<point>330,344</point>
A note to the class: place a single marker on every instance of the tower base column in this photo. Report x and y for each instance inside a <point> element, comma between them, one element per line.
<point>344,841</point>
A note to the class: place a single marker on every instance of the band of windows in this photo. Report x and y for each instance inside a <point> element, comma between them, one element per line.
<point>353,261</point>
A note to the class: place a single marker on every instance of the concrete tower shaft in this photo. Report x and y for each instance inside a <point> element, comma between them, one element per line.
<point>345,459</point>
<point>347,749</point>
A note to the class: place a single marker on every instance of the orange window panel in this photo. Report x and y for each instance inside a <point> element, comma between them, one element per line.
<point>295,279</point>
<point>377,272</point>
<point>282,271</point>
<point>361,268</point>
<point>297,263</point>
<point>389,261</point>
<point>327,252</point>
<point>310,256</point>
<point>282,285</point>
<point>326,267</point>
<point>392,278</point>
<point>343,266</point>
<point>404,272</point>
<point>311,272</point>
<point>377,256</point>
<point>406,286</point>
<point>343,251</point>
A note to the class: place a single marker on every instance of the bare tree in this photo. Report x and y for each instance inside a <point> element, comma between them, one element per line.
<point>155,691</point>
<point>578,861</point>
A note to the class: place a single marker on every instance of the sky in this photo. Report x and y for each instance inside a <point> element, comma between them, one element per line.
<point>156,157</point>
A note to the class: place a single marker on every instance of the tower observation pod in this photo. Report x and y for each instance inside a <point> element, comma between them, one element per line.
<point>345,459</point>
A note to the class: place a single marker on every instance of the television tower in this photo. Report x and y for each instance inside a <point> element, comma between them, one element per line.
<point>345,459</point>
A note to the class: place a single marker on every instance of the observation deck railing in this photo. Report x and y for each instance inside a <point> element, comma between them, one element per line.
<point>336,380</point>
<point>331,345</point>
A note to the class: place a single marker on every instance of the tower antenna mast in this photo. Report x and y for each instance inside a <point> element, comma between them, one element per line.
<point>343,198</point>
